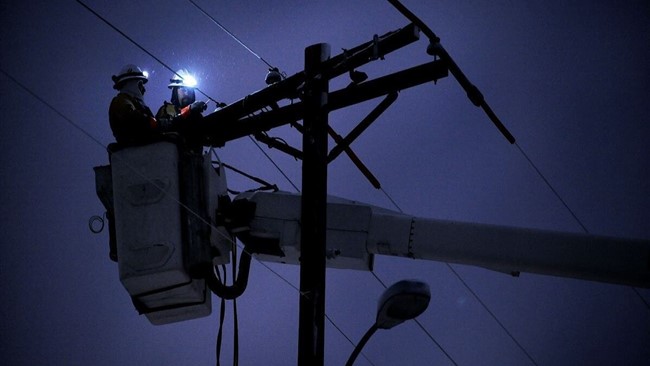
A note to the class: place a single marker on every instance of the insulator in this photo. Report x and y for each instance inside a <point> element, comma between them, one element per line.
<point>273,76</point>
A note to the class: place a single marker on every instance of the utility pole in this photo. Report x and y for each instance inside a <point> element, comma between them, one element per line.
<point>311,343</point>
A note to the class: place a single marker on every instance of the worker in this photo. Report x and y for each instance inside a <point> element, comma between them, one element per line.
<point>131,120</point>
<point>182,85</point>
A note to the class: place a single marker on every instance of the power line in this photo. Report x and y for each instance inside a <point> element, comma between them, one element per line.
<point>231,34</point>
<point>276,165</point>
<point>473,294</point>
<point>139,46</point>
<point>124,35</point>
<point>391,199</point>
<point>550,186</point>
<point>51,107</point>
<point>492,314</point>
<point>575,217</point>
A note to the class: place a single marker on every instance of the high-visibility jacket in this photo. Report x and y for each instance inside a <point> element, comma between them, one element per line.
<point>131,120</point>
<point>168,111</point>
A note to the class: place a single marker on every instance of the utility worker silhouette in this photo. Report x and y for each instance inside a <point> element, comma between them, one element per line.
<point>131,120</point>
<point>183,99</point>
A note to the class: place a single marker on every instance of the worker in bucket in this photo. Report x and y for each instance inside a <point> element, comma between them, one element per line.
<point>183,98</point>
<point>131,120</point>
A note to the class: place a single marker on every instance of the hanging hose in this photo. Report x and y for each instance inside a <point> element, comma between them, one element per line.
<point>239,285</point>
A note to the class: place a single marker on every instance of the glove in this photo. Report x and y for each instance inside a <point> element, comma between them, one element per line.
<point>198,107</point>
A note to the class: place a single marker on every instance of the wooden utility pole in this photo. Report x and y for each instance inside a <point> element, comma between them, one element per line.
<point>311,343</point>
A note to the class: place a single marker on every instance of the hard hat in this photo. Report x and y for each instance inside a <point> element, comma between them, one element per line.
<point>182,78</point>
<point>129,72</point>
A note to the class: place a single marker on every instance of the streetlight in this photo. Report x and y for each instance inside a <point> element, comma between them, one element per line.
<point>402,301</point>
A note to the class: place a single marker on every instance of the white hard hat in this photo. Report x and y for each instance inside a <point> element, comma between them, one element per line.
<point>129,72</point>
<point>182,78</point>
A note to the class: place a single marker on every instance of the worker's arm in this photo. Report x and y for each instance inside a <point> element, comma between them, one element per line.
<point>130,122</point>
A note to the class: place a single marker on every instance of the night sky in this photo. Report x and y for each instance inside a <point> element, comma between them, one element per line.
<point>571,81</point>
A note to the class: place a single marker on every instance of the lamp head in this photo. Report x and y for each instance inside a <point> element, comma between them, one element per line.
<point>402,301</point>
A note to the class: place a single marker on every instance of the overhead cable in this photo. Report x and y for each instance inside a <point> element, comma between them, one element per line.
<point>231,34</point>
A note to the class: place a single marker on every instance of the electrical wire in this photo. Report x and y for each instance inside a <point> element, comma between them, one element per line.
<point>521,347</point>
<point>276,165</point>
<point>473,294</point>
<point>232,35</point>
<point>566,206</point>
<point>550,186</point>
<point>51,107</point>
<point>140,47</point>
<point>391,199</point>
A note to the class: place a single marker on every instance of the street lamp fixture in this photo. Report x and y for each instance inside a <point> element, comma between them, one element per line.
<point>402,301</point>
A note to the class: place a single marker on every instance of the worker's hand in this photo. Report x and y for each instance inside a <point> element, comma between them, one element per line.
<point>198,107</point>
<point>194,108</point>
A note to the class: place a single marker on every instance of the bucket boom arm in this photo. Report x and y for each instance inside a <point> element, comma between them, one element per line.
<point>356,232</point>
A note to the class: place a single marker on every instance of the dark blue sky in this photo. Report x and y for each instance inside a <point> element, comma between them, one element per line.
<point>570,81</point>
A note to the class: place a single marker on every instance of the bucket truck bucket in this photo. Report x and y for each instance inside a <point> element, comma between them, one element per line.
<point>163,201</point>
